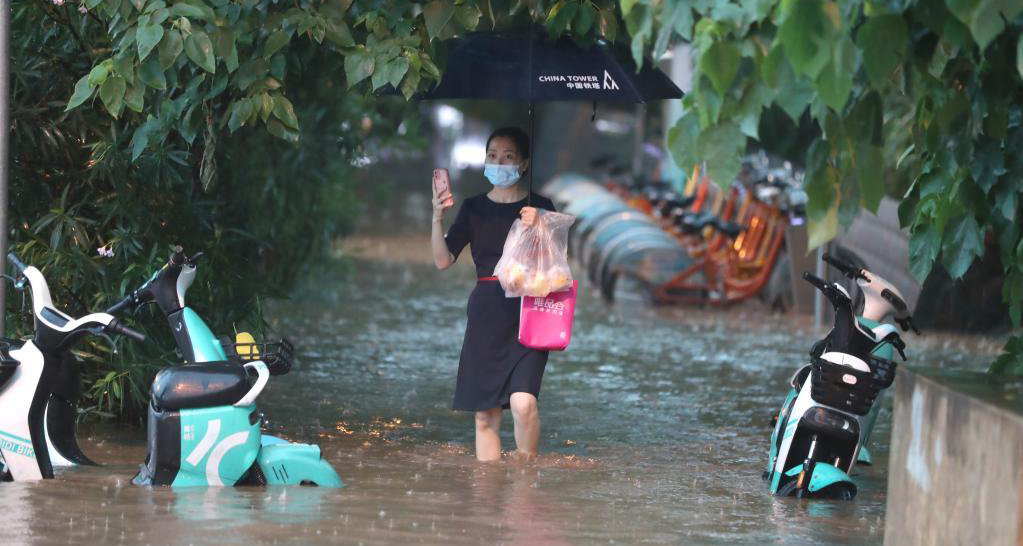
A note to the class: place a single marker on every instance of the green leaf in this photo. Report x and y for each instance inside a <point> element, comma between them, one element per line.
<point>988,20</point>
<point>866,119</point>
<point>750,108</point>
<point>823,229</point>
<point>124,66</point>
<point>158,16</point>
<point>722,147</point>
<point>962,243</point>
<point>275,42</point>
<point>884,41</point>
<point>834,87</point>
<point>437,14</point>
<point>278,130</point>
<point>339,34</point>
<point>240,111</point>
<point>190,123</point>
<point>82,93</point>
<point>146,39</point>
<point>410,84</point>
<point>99,73</point>
<point>266,106</point>
<point>112,95</point>
<point>223,42</point>
<point>808,31</point>
<point>608,24</point>
<point>193,8</point>
<point>284,111</point>
<point>585,18</point>
<point>152,74</point>
<point>641,29</point>
<point>720,63</point>
<point>794,96</point>
<point>820,181</point>
<point>627,6</point>
<point>683,140</point>
<point>231,62</point>
<point>468,16</point>
<point>870,173</point>
<point>251,72</point>
<point>358,66</point>
<point>1019,55</point>
<point>836,79</point>
<point>199,49</point>
<point>133,98</point>
<point>170,48</point>
<point>1007,197</point>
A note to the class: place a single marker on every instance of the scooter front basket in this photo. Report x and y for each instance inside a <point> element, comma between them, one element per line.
<point>884,370</point>
<point>277,355</point>
<point>842,387</point>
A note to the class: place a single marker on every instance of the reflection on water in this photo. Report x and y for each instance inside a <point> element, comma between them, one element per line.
<point>655,430</point>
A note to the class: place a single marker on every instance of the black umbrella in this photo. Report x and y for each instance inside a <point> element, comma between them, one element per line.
<point>528,66</point>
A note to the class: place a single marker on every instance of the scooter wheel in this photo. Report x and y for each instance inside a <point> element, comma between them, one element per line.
<point>254,476</point>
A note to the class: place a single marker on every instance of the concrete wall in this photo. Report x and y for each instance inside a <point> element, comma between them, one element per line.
<point>955,473</point>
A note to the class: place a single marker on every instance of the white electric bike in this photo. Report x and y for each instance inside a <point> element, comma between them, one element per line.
<point>29,371</point>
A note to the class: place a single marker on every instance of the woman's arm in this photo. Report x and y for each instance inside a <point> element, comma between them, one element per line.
<point>442,257</point>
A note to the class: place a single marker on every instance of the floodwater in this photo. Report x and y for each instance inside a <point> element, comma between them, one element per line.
<point>655,431</point>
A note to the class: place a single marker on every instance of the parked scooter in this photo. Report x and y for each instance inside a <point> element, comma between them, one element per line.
<point>830,410</point>
<point>29,372</point>
<point>203,425</point>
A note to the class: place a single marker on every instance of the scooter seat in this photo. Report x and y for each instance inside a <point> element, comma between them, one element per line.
<point>200,386</point>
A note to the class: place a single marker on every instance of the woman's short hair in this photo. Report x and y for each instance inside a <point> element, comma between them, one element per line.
<point>518,136</point>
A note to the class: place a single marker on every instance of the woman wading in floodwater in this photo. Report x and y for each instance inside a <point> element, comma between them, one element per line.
<point>494,370</point>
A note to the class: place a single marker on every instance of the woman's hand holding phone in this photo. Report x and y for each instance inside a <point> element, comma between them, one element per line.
<point>442,198</point>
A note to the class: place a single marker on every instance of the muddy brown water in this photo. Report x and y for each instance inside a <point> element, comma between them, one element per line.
<point>655,431</point>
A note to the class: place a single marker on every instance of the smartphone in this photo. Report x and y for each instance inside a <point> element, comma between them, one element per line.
<point>442,187</point>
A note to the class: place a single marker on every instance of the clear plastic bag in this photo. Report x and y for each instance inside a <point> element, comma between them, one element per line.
<point>535,258</point>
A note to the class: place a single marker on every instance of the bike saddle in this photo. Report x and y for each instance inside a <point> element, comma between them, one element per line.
<point>726,228</point>
<point>695,222</point>
<point>200,386</point>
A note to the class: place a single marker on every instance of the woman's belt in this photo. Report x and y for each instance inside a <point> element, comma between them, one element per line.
<point>484,279</point>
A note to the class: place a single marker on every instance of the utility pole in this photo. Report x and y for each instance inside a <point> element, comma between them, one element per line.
<point>5,142</point>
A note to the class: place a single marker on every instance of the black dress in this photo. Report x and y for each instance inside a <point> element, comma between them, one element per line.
<point>493,363</point>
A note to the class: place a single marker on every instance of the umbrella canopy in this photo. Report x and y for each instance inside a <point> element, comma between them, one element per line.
<point>527,66</point>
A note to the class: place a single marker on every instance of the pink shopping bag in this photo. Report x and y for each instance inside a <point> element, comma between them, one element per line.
<point>545,323</point>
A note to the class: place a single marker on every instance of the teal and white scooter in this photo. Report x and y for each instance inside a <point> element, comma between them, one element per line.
<point>830,410</point>
<point>203,425</point>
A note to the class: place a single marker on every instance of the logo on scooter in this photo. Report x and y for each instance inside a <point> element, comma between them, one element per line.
<point>15,446</point>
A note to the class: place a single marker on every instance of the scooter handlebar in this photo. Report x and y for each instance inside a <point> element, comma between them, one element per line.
<point>818,282</point>
<point>116,327</point>
<point>119,306</point>
<point>846,268</point>
<point>178,257</point>
<point>18,264</point>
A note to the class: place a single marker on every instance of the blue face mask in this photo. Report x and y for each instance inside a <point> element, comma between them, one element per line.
<point>501,176</point>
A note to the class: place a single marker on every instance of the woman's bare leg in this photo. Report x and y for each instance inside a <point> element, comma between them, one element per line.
<point>527,423</point>
<point>488,435</point>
